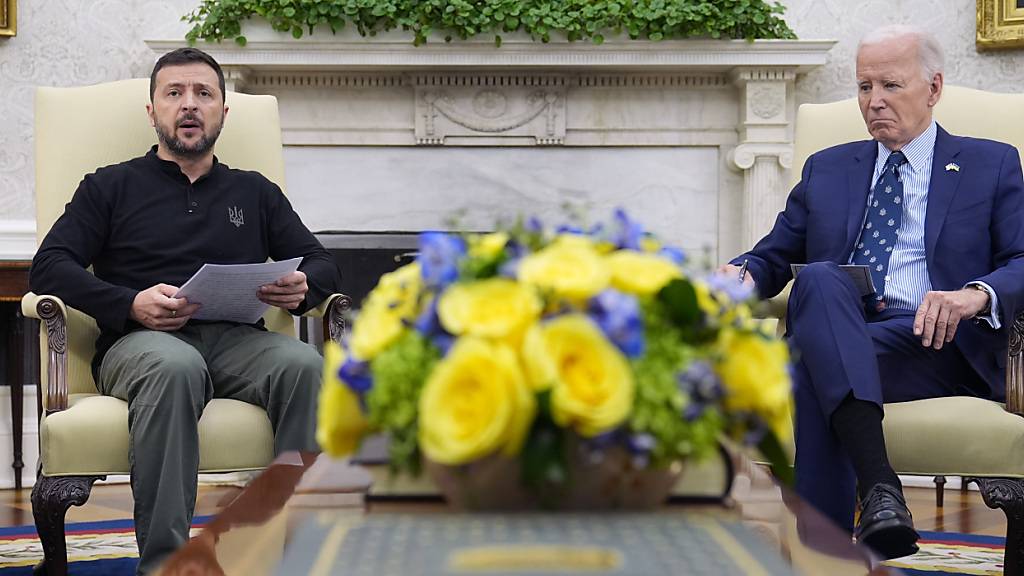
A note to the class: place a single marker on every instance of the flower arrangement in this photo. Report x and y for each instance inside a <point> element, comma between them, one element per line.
<point>517,343</point>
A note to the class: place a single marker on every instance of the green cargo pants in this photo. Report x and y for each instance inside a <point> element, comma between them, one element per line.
<point>167,378</point>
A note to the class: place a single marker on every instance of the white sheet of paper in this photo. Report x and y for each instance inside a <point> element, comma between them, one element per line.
<point>229,291</point>
<point>859,273</point>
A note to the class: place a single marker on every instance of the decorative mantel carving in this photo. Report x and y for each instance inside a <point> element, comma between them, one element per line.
<point>502,109</point>
<point>733,96</point>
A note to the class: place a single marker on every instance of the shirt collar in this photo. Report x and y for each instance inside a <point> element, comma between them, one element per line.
<point>172,169</point>
<point>918,151</point>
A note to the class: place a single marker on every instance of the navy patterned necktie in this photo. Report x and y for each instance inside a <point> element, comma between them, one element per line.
<point>885,213</point>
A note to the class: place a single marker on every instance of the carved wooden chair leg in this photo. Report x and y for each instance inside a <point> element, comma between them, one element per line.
<point>1008,494</point>
<point>51,498</point>
<point>940,486</point>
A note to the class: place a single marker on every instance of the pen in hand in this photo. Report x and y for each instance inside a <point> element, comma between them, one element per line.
<point>743,271</point>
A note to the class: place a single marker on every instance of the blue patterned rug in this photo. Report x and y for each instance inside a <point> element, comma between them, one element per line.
<point>949,553</point>
<point>94,548</point>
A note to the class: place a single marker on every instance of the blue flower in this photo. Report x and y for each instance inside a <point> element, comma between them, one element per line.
<point>618,315</point>
<point>674,254</point>
<point>626,233</point>
<point>729,286</point>
<point>702,387</point>
<point>570,229</point>
<point>429,325</point>
<point>439,258</point>
<point>699,381</point>
<point>534,225</point>
<point>640,446</point>
<point>356,374</point>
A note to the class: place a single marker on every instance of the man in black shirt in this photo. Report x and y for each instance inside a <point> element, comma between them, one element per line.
<point>145,226</point>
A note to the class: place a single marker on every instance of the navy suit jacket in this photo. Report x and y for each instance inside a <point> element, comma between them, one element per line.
<point>974,230</point>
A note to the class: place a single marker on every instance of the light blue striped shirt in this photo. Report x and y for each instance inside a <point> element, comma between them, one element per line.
<point>907,280</point>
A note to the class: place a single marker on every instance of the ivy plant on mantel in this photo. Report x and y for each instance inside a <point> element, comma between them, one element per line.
<point>216,20</point>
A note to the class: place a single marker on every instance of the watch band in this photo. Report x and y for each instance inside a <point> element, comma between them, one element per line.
<point>988,301</point>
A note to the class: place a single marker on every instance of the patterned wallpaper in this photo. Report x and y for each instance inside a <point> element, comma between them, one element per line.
<point>74,42</point>
<point>69,43</point>
<point>952,21</point>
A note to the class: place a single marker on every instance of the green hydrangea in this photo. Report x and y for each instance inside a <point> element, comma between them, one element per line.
<point>398,376</point>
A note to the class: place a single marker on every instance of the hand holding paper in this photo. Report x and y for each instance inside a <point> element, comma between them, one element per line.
<point>287,292</point>
<point>231,292</point>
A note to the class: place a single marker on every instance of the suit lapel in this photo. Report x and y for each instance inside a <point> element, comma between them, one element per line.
<point>942,188</point>
<point>859,184</point>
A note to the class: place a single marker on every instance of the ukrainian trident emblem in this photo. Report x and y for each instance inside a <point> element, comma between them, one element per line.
<point>235,216</point>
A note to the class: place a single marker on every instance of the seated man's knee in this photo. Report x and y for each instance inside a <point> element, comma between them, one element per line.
<point>299,363</point>
<point>819,283</point>
<point>159,368</point>
<point>817,272</point>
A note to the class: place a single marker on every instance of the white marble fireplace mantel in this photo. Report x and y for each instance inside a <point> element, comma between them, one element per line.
<point>692,136</point>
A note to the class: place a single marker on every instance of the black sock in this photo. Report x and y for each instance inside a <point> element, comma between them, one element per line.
<point>858,424</point>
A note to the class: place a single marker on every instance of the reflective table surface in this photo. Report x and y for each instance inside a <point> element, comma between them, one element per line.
<point>262,530</point>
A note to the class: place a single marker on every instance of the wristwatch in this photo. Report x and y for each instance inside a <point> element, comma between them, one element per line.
<point>987,310</point>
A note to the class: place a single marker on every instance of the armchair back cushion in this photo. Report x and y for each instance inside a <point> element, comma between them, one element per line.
<point>961,111</point>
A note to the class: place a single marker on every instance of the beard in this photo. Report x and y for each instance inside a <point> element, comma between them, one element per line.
<point>174,144</point>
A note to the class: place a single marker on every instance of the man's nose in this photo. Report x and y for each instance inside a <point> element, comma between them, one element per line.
<point>189,102</point>
<point>877,99</point>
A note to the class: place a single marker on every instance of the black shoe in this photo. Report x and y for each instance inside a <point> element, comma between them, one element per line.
<point>885,523</point>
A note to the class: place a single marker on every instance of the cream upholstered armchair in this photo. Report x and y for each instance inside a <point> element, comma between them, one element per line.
<point>979,440</point>
<point>84,435</point>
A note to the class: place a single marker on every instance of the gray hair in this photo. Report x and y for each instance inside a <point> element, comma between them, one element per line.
<point>929,52</point>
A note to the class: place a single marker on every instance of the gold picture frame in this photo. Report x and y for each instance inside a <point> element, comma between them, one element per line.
<point>1000,24</point>
<point>8,17</point>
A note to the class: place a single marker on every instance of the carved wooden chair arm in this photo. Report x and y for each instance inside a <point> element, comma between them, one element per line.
<point>333,311</point>
<point>52,312</point>
<point>1015,367</point>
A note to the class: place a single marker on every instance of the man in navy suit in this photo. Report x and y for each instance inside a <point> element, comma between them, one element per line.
<point>939,221</point>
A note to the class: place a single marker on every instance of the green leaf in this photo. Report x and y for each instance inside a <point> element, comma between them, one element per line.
<point>680,300</point>
<point>241,40</point>
<point>773,451</point>
<point>215,20</point>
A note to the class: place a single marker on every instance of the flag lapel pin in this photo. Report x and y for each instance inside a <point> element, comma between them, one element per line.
<point>952,167</point>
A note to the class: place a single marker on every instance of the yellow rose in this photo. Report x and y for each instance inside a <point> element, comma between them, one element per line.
<point>641,273</point>
<point>592,385</point>
<point>376,327</point>
<point>570,267</point>
<point>494,308</point>
<point>380,321</point>
<point>399,289</point>
<point>340,420</point>
<point>755,373</point>
<point>475,403</point>
<point>487,245</point>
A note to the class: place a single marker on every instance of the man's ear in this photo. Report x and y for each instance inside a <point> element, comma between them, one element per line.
<point>225,114</point>
<point>149,112</point>
<point>935,89</point>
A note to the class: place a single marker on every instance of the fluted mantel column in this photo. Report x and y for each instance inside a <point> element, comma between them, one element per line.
<point>765,151</point>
